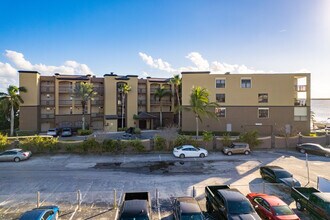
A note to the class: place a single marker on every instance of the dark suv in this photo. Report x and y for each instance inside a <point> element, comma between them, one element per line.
<point>187,208</point>
<point>277,174</point>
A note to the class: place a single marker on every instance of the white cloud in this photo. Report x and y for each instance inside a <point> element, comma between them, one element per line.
<point>8,76</point>
<point>69,67</point>
<point>156,63</point>
<point>198,60</point>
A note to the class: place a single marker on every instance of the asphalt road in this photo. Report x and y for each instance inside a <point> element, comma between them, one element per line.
<point>59,177</point>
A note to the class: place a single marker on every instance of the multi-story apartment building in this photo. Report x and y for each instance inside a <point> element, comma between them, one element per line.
<point>49,102</point>
<point>268,103</point>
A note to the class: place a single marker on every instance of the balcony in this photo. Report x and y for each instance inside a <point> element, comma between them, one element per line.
<point>97,115</point>
<point>47,89</point>
<point>47,116</point>
<point>65,102</point>
<point>164,102</point>
<point>300,88</point>
<point>98,89</point>
<point>47,102</point>
<point>65,89</point>
<point>142,102</point>
<point>97,102</point>
<point>142,90</point>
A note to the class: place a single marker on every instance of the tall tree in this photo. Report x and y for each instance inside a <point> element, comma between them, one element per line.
<point>12,100</point>
<point>85,92</point>
<point>124,89</point>
<point>176,82</point>
<point>200,105</point>
<point>160,93</point>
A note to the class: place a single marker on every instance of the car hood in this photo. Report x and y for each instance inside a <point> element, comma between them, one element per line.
<point>290,181</point>
<point>250,216</point>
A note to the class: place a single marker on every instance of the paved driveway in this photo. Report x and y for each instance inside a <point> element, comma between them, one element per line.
<point>59,177</point>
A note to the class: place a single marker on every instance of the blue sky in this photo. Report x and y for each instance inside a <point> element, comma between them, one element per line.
<point>163,37</point>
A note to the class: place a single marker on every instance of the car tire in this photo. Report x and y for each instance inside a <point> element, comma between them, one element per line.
<point>247,152</point>
<point>202,155</point>
<point>299,206</point>
<point>17,159</point>
<point>302,151</point>
<point>229,153</point>
<point>182,156</point>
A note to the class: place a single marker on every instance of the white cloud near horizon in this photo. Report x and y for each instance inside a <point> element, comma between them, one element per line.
<point>200,64</point>
<point>17,61</point>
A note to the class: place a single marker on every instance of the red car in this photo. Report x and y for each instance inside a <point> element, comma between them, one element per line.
<point>271,207</point>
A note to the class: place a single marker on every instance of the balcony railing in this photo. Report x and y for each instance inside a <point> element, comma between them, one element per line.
<point>142,102</point>
<point>98,89</point>
<point>65,102</point>
<point>142,90</point>
<point>47,102</point>
<point>97,102</point>
<point>65,89</point>
<point>300,88</point>
<point>97,115</point>
<point>51,116</point>
<point>47,88</point>
<point>164,102</point>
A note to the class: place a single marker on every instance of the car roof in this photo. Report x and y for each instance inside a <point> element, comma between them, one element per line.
<point>313,144</point>
<point>240,143</point>
<point>272,200</point>
<point>187,145</point>
<point>273,167</point>
<point>33,214</point>
<point>188,205</point>
<point>134,207</point>
<point>231,194</point>
<point>52,207</point>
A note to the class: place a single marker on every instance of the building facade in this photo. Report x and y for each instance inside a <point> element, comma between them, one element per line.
<point>268,103</point>
<point>49,102</point>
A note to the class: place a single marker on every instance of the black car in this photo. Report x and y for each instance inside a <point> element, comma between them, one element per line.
<point>277,174</point>
<point>313,149</point>
<point>187,208</point>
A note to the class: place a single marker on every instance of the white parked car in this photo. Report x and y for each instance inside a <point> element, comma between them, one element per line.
<point>189,151</point>
<point>53,132</point>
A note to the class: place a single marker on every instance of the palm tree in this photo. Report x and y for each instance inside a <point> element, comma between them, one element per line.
<point>85,92</point>
<point>200,104</point>
<point>12,100</point>
<point>160,93</point>
<point>176,81</point>
<point>124,89</point>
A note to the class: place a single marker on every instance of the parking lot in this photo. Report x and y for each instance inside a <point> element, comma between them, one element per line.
<point>102,178</point>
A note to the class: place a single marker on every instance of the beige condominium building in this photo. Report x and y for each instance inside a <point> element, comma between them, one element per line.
<point>49,102</point>
<point>268,103</point>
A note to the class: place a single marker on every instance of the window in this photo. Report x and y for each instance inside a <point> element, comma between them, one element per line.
<point>220,83</point>
<point>220,112</point>
<point>220,97</point>
<point>263,97</point>
<point>245,83</point>
<point>300,113</point>
<point>263,112</point>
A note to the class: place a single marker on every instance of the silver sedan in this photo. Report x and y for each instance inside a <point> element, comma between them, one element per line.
<point>15,155</point>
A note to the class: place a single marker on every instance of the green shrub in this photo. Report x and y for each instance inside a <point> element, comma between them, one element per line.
<point>84,132</point>
<point>38,144</point>
<point>184,139</point>
<point>136,145</point>
<point>113,146</point>
<point>91,145</point>
<point>159,143</point>
<point>207,135</point>
<point>137,131</point>
<point>26,133</point>
<point>3,142</point>
<point>250,137</point>
<point>226,140</point>
<point>216,133</point>
<point>122,129</point>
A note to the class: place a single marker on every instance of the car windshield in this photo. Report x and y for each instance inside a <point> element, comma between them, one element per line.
<point>282,210</point>
<point>66,129</point>
<point>51,130</point>
<point>191,216</point>
<point>240,207</point>
<point>283,174</point>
